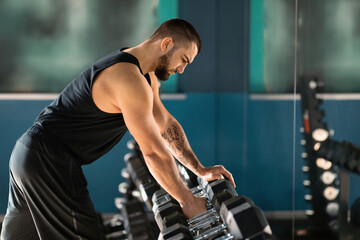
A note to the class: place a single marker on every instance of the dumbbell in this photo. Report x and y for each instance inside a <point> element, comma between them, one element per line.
<point>176,231</point>
<point>135,220</point>
<point>189,178</point>
<point>218,191</point>
<point>147,187</point>
<point>120,235</point>
<point>168,214</point>
<point>134,146</point>
<point>353,164</point>
<point>326,149</point>
<point>115,224</point>
<point>342,153</point>
<point>136,167</point>
<point>355,213</point>
<point>181,232</point>
<point>128,191</point>
<point>217,186</point>
<point>197,191</point>
<point>161,197</point>
<point>204,225</point>
<point>244,219</point>
<point>172,215</point>
<point>216,232</point>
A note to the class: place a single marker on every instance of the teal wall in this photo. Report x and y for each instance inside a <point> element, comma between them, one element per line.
<point>168,10</point>
<point>252,138</point>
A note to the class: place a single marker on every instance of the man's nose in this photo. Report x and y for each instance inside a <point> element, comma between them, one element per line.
<point>180,69</point>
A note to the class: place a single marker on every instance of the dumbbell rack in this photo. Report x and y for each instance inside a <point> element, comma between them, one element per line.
<point>330,221</point>
<point>229,216</point>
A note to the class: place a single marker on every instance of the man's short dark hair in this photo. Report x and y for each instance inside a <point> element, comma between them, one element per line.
<point>179,30</point>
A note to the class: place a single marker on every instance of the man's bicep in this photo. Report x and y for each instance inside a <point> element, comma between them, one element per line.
<point>134,97</point>
<point>139,119</point>
<point>143,128</point>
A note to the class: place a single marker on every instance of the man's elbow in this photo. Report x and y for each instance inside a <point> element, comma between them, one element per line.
<point>156,157</point>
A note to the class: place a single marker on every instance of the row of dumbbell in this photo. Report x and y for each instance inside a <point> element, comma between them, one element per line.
<point>166,209</point>
<point>168,212</point>
<point>141,178</point>
<point>229,216</point>
<point>133,222</point>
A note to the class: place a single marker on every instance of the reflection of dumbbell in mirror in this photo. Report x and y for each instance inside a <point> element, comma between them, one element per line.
<point>343,154</point>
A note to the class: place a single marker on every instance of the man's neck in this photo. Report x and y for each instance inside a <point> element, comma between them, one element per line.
<point>146,54</point>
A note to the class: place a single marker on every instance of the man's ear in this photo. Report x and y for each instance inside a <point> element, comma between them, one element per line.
<point>166,44</point>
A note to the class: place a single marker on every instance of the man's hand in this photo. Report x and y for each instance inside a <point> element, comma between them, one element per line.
<point>216,172</point>
<point>194,207</point>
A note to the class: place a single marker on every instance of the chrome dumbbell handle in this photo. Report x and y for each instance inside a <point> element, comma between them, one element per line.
<point>225,237</point>
<point>198,192</point>
<point>202,216</point>
<point>213,232</point>
<point>204,223</point>
<point>196,189</point>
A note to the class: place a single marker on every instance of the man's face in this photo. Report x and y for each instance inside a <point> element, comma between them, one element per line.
<point>175,61</point>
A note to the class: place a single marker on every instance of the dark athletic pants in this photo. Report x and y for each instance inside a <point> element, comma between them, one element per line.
<point>48,197</point>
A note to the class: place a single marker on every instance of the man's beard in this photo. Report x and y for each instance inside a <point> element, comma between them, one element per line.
<point>162,71</point>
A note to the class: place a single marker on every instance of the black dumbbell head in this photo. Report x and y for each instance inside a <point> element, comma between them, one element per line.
<point>353,161</point>
<point>172,219</point>
<point>342,153</point>
<point>165,210</point>
<point>355,212</point>
<point>169,232</point>
<point>181,236</point>
<point>217,186</point>
<point>233,202</point>
<point>158,194</point>
<point>147,189</point>
<point>246,223</point>
<point>222,196</point>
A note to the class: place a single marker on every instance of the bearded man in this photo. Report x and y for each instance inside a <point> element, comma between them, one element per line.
<point>48,196</point>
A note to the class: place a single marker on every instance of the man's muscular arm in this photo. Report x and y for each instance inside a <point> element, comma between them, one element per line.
<point>124,87</point>
<point>177,142</point>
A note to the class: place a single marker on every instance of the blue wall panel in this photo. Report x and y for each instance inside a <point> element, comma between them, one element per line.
<point>230,135</point>
<point>232,46</point>
<point>200,75</point>
<point>222,65</point>
<point>270,155</point>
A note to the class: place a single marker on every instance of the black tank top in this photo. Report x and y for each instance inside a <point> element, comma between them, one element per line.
<point>74,119</point>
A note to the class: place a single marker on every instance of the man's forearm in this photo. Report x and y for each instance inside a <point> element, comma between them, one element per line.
<point>179,146</point>
<point>166,174</point>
